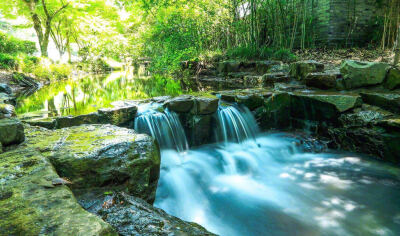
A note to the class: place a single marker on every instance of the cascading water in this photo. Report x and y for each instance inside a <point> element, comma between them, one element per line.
<point>266,185</point>
<point>235,124</point>
<point>164,126</point>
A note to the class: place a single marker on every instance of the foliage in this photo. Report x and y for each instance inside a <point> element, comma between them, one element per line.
<point>7,61</point>
<point>48,71</point>
<point>12,45</point>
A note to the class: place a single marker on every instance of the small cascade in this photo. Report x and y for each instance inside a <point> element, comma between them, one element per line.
<point>165,127</point>
<point>235,124</point>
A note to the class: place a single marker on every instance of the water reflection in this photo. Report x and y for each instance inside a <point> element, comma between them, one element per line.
<point>88,94</point>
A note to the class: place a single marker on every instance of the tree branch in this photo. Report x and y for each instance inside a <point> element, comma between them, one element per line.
<point>45,9</point>
<point>62,8</point>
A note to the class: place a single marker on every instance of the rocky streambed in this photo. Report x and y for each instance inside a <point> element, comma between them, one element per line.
<point>93,174</point>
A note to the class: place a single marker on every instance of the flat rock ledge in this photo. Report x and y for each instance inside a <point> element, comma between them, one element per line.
<point>40,178</point>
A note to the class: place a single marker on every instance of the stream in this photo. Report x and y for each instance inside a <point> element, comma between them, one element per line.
<point>248,182</point>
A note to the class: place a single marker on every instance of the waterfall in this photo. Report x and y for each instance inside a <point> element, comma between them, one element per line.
<point>266,184</point>
<point>165,127</point>
<point>235,124</point>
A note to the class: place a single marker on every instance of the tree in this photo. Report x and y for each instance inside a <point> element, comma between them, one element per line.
<point>41,14</point>
<point>397,49</point>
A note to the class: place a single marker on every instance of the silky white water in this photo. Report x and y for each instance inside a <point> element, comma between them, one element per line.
<point>266,184</point>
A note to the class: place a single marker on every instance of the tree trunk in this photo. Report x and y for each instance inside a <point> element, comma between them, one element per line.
<point>397,49</point>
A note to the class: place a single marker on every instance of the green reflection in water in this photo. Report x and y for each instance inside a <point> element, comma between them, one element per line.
<point>85,95</point>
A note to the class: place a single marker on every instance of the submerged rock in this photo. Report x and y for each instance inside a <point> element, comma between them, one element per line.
<point>101,155</point>
<point>31,205</point>
<point>11,131</point>
<point>360,74</point>
<point>133,216</point>
<point>301,69</point>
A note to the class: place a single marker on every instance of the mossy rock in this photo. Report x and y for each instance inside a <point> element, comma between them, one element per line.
<point>101,155</point>
<point>31,205</point>
<point>11,131</point>
<point>323,107</point>
<point>69,121</point>
<point>181,104</point>
<point>301,69</point>
<point>358,74</point>
<point>120,116</point>
<point>205,105</point>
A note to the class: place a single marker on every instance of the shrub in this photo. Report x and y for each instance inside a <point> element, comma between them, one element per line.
<point>265,53</point>
<point>52,72</point>
<point>284,55</point>
<point>243,52</point>
<point>12,45</point>
<point>7,61</point>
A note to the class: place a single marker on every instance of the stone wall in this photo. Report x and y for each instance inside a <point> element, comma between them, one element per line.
<point>341,22</point>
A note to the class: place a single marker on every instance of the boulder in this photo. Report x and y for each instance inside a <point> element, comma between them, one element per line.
<point>301,69</point>
<point>393,79</point>
<point>206,105</point>
<point>101,155</point>
<point>31,205</point>
<point>323,80</point>
<point>120,116</point>
<point>4,88</point>
<point>387,101</point>
<point>11,131</point>
<point>6,111</point>
<point>181,104</point>
<point>358,74</point>
<point>133,216</point>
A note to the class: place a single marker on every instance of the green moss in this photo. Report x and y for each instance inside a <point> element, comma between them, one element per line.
<point>33,206</point>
